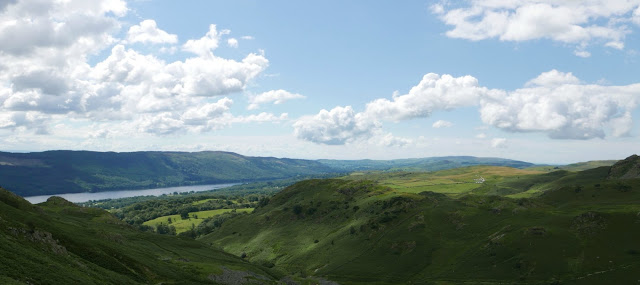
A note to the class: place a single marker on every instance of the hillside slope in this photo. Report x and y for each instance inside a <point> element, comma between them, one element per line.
<point>422,164</point>
<point>582,230</point>
<point>55,172</point>
<point>59,243</point>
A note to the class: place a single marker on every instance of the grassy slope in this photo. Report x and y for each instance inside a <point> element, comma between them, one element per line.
<point>582,230</point>
<point>422,164</point>
<point>580,166</point>
<point>453,182</point>
<point>53,172</point>
<point>185,225</point>
<point>59,243</point>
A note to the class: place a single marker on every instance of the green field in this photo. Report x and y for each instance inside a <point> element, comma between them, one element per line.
<point>453,182</point>
<point>185,225</point>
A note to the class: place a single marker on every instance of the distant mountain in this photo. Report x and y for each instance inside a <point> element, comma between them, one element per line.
<point>55,172</point>
<point>422,164</point>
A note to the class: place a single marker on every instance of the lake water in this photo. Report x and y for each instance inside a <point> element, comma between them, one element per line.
<point>84,197</point>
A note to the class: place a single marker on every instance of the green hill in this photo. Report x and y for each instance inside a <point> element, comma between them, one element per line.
<point>628,168</point>
<point>579,166</point>
<point>55,172</point>
<point>422,164</point>
<point>580,228</point>
<point>57,242</point>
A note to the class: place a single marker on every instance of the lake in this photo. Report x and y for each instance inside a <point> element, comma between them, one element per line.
<point>84,197</point>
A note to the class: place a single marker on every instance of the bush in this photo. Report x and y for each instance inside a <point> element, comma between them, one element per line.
<point>297,209</point>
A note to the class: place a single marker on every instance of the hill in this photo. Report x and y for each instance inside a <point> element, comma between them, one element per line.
<point>55,172</point>
<point>579,166</point>
<point>422,164</point>
<point>628,168</point>
<point>580,228</point>
<point>57,242</point>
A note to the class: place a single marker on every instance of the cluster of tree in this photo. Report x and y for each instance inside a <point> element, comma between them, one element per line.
<point>148,210</point>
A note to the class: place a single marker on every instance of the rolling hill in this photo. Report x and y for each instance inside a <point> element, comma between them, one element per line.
<point>422,164</point>
<point>57,242</point>
<point>578,228</point>
<point>55,172</point>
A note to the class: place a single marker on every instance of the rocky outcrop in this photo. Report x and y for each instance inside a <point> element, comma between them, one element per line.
<point>629,168</point>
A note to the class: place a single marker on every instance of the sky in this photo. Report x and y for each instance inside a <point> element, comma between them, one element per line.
<point>545,81</point>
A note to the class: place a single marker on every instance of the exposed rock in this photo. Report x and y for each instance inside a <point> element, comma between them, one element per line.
<point>233,277</point>
<point>42,237</point>
<point>588,223</point>
<point>628,168</point>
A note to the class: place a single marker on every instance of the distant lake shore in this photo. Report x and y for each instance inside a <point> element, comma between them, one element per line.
<point>86,196</point>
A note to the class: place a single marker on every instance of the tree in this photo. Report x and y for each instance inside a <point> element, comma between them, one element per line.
<point>184,214</point>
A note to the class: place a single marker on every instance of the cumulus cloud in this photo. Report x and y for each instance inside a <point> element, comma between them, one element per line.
<point>232,43</point>
<point>582,53</point>
<point>338,126</point>
<point>434,92</point>
<point>553,78</point>
<point>261,118</point>
<point>499,143</point>
<point>570,22</point>
<point>48,45</point>
<point>274,96</point>
<point>555,103</point>
<point>204,46</point>
<point>58,28</point>
<point>442,124</point>
<point>147,32</point>
<point>563,111</point>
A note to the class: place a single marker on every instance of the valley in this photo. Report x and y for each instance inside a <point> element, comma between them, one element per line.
<point>488,224</point>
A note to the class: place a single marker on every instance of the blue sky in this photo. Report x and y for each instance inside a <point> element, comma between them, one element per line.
<point>538,80</point>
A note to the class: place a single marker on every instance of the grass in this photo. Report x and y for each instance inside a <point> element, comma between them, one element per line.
<point>59,243</point>
<point>185,225</point>
<point>560,227</point>
<point>453,182</point>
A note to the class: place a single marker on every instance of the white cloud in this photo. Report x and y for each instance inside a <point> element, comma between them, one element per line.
<point>442,124</point>
<point>564,111</point>
<point>338,126</point>
<point>434,92</point>
<point>499,143</point>
<point>232,43</point>
<point>554,103</point>
<point>50,78</point>
<point>274,96</point>
<point>388,140</point>
<point>481,136</point>
<point>553,78</point>
<point>247,37</point>
<point>204,46</point>
<point>147,32</point>
<point>261,118</point>
<point>582,53</point>
<point>58,28</point>
<point>571,22</point>
<point>622,125</point>
<point>615,45</point>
